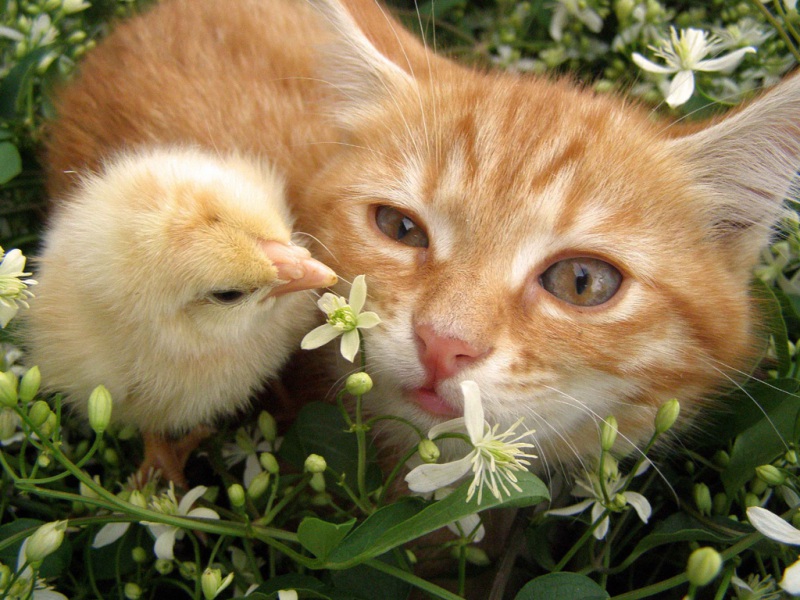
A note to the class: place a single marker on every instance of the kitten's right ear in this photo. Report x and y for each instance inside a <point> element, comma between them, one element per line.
<point>355,68</point>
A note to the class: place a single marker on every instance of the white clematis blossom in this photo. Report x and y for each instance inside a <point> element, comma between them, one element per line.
<point>492,459</point>
<point>684,54</point>
<point>344,318</point>
<point>566,9</point>
<point>590,488</point>
<point>14,291</point>
<point>25,585</point>
<point>167,534</point>
<point>772,526</point>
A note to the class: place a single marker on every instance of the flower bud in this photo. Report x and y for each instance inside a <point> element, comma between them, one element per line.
<point>188,570</point>
<point>358,384</point>
<point>428,451</point>
<point>758,486</point>
<point>667,415</point>
<point>719,505</point>
<point>315,464</point>
<point>770,475</point>
<point>411,557</point>
<point>8,389</point>
<point>139,555</point>
<point>791,457</point>
<point>29,385</point>
<point>44,541</point>
<point>164,566</point>
<point>111,457</point>
<point>269,462</point>
<point>721,459</point>
<point>750,499</point>
<point>703,566</point>
<point>618,502</point>
<point>5,576</point>
<point>43,460</point>
<point>100,409</point>
<point>608,433</point>
<point>287,595</point>
<point>267,426</point>
<point>236,495</point>
<point>132,591</point>
<point>212,583</point>
<point>49,426</point>
<point>9,421</point>
<point>258,486</point>
<point>610,467</point>
<point>38,413</point>
<point>317,482</point>
<point>702,498</point>
<point>474,556</point>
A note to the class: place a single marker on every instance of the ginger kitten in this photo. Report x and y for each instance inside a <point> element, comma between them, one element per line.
<point>565,250</point>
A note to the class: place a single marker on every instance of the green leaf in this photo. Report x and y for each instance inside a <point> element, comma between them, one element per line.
<point>562,586</point>
<point>410,519</point>
<point>681,527</point>
<point>367,583</point>
<point>320,429</point>
<point>10,162</point>
<point>16,84</point>
<point>772,410</point>
<point>305,586</point>
<point>320,537</point>
<point>771,306</point>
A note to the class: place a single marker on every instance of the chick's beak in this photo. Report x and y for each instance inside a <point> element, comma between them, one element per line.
<point>296,268</point>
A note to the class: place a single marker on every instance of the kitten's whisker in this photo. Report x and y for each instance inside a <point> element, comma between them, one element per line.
<point>636,449</point>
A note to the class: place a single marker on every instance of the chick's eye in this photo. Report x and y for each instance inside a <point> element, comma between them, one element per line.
<point>400,227</point>
<point>227,297</point>
<point>582,281</point>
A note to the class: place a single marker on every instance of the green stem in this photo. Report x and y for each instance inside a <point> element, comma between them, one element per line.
<point>583,539</point>
<point>393,474</point>
<point>418,582</point>
<point>781,31</point>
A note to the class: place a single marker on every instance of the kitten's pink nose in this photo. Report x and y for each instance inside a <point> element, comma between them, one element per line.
<point>442,356</point>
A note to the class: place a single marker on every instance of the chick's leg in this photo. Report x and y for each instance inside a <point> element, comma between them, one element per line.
<point>170,456</point>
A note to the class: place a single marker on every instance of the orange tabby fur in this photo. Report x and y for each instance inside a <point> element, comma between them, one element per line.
<point>506,174</point>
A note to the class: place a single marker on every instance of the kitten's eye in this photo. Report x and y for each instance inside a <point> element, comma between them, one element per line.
<point>582,281</point>
<point>399,227</point>
<point>227,297</point>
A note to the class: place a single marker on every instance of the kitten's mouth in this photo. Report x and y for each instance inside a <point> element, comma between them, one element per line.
<point>429,401</point>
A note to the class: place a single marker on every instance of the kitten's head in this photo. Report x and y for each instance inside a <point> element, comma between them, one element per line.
<point>571,255</point>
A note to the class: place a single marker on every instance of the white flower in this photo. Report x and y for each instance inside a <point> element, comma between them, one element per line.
<point>492,459</point>
<point>287,595</point>
<point>344,318</point>
<point>167,503</point>
<point>248,445</point>
<point>684,54</point>
<point>590,488</point>
<point>577,9</point>
<point>772,526</point>
<point>13,290</point>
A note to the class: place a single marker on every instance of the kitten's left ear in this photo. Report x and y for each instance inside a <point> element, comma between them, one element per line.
<point>747,165</point>
<point>360,73</point>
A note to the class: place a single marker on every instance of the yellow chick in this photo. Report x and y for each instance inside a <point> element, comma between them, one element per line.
<point>170,278</point>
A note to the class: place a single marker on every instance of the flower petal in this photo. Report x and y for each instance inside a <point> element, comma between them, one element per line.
<point>109,534</point>
<point>351,342</point>
<point>190,498</point>
<point>573,509</point>
<point>428,478</point>
<point>723,63</point>
<point>165,543</point>
<point>772,526</point>
<point>358,294</point>
<point>473,411</point>
<point>202,513</point>
<point>319,337</point>
<point>452,426</point>
<point>640,504</point>
<point>681,88</point>
<point>648,65</point>
<point>791,579</point>
<point>368,320</point>
<point>602,529</point>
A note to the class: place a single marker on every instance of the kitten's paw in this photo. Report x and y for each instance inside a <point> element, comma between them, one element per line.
<point>296,267</point>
